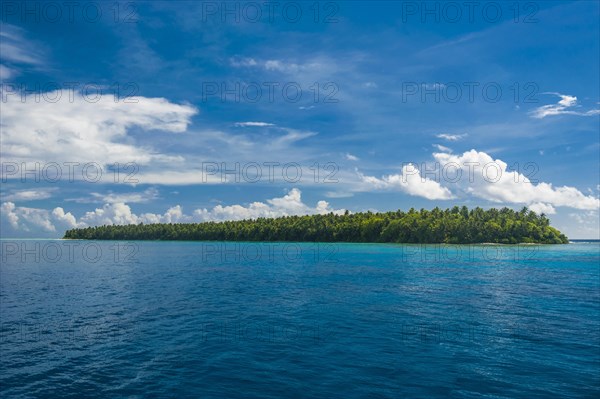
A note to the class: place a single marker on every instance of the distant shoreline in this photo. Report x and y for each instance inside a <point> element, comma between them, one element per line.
<point>311,242</point>
<point>450,226</point>
<point>571,241</point>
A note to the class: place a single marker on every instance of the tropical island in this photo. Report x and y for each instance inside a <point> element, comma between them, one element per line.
<point>450,226</point>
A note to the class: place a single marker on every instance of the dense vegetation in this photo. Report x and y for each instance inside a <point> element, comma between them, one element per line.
<point>452,226</point>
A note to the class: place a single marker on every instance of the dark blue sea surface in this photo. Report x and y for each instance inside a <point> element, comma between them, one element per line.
<point>85,319</point>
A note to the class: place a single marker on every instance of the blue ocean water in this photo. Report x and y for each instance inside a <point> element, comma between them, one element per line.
<point>290,320</point>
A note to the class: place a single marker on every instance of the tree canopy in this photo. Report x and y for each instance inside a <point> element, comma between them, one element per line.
<point>457,225</point>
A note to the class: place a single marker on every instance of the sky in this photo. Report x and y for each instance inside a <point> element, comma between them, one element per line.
<point>181,111</point>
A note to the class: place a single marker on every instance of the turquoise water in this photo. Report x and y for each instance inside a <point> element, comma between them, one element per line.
<point>269,320</point>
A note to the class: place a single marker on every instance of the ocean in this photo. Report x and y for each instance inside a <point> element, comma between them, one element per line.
<point>298,320</point>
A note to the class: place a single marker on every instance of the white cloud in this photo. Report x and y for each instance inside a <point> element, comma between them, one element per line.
<point>119,213</point>
<point>292,135</point>
<point>288,67</point>
<point>271,65</point>
<point>442,148</point>
<point>8,212</point>
<point>411,182</point>
<point>451,137</point>
<point>17,52</point>
<point>483,177</point>
<point>111,198</point>
<point>16,49</point>
<point>226,150</point>
<point>145,196</point>
<point>431,86</point>
<point>66,219</point>
<point>6,73</point>
<point>351,157</point>
<point>540,207</point>
<point>587,224</point>
<point>253,124</point>
<point>565,106</point>
<point>243,62</point>
<point>30,195</point>
<point>279,65</point>
<point>36,220</point>
<point>477,174</point>
<point>75,130</point>
<point>290,204</point>
<point>106,132</point>
<point>283,66</point>
<point>339,194</point>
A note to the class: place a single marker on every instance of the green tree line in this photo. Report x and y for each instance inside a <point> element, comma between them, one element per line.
<point>457,225</point>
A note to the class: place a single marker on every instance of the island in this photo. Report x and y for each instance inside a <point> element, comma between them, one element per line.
<point>457,225</point>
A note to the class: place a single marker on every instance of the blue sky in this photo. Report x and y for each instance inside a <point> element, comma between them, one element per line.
<point>395,104</point>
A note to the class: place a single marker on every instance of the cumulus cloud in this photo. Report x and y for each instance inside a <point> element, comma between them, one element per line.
<point>351,157</point>
<point>290,204</point>
<point>411,182</point>
<point>567,105</point>
<point>8,212</point>
<point>65,219</point>
<point>119,213</point>
<point>477,174</point>
<point>34,220</point>
<point>540,207</point>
